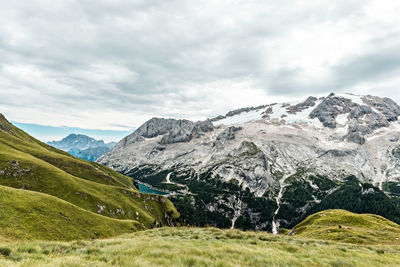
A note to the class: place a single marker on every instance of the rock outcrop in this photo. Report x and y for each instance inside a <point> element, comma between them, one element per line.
<point>329,108</point>
<point>4,124</point>
<point>171,130</point>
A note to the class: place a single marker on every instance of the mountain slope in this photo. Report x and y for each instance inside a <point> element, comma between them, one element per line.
<point>17,140</point>
<point>26,163</point>
<point>245,169</point>
<point>49,218</point>
<point>82,146</point>
<point>354,228</point>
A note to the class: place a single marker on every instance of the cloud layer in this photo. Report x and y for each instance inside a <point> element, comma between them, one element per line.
<point>114,64</point>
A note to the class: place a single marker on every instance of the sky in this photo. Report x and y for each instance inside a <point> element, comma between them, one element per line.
<point>105,67</point>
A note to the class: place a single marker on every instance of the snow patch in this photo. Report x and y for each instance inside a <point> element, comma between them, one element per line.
<point>354,98</point>
<point>241,118</point>
<point>342,119</point>
<point>302,116</point>
<point>279,112</point>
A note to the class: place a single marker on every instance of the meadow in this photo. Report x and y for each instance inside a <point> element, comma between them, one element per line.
<point>198,247</point>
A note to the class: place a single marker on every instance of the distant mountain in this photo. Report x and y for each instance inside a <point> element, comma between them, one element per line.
<point>83,146</point>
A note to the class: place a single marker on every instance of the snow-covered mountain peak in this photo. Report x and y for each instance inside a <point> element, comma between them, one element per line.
<point>357,115</point>
<point>286,113</point>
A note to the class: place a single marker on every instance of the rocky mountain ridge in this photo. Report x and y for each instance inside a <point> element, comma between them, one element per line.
<point>264,166</point>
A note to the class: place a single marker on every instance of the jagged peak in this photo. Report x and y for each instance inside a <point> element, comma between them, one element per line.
<point>171,130</point>
<point>74,135</point>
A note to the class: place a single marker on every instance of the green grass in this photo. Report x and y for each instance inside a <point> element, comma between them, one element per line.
<point>362,228</point>
<point>199,247</point>
<point>32,215</point>
<point>26,163</point>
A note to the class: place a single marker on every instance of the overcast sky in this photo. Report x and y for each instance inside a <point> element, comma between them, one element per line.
<point>111,65</point>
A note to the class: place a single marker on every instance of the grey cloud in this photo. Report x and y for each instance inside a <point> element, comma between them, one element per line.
<point>375,65</point>
<point>145,57</point>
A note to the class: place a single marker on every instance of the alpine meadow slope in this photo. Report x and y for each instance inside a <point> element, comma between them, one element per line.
<point>364,240</point>
<point>270,166</point>
<point>348,227</point>
<point>37,216</point>
<point>79,193</point>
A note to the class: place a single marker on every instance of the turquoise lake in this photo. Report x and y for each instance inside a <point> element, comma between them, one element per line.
<point>146,189</point>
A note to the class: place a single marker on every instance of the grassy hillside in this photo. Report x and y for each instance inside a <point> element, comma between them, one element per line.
<point>362,228</point>
<point>16,139</point>
<point>31,215</point>
<point>198,247</point>
<point>26,163</point>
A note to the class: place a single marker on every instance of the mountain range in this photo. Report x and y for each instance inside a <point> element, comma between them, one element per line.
<point>270,166</point>
<point>83,146</point>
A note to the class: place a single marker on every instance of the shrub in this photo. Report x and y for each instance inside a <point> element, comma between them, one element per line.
<point>5,251</point>
<point>29,250</point>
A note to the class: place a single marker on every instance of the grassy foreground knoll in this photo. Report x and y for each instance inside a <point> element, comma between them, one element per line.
<point>82,191</point>
<point>198,247</point>
<point>356,228</point>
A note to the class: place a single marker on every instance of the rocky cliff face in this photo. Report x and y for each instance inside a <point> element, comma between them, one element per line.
<point>263,166</point>
<point>171,130</point>
<point>4,124</point>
